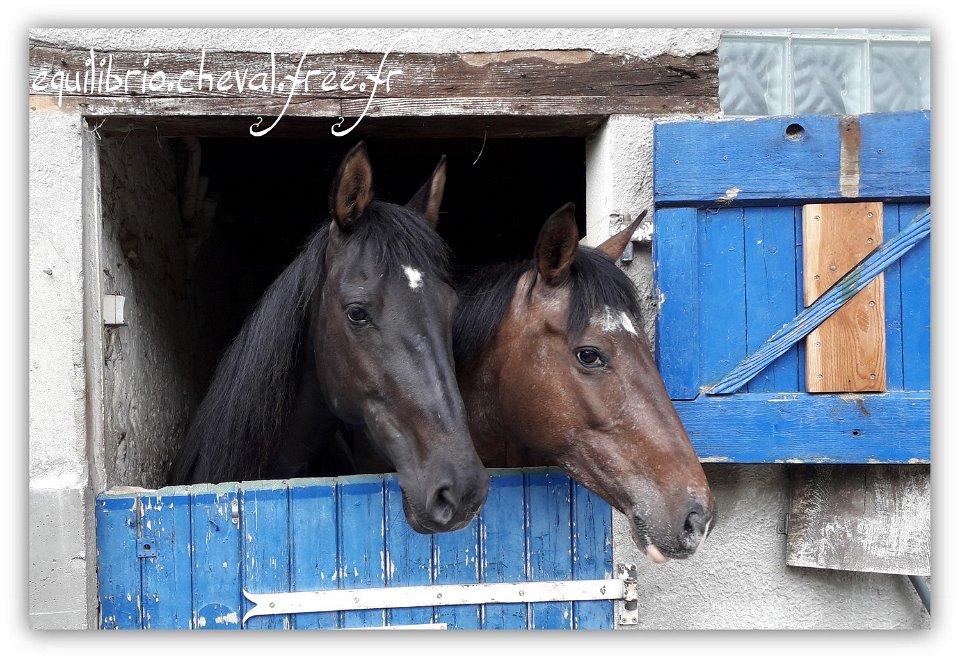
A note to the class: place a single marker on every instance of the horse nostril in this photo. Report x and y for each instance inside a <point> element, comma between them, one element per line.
<point>696,522</point>
<point>441,505</point>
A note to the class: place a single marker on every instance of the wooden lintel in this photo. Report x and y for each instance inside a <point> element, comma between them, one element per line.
<point>450,84</point>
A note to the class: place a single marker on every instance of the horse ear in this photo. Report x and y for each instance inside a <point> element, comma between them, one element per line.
<point>428,198</point>
<point>557,245</point>
<point>614,246</point>
<point>352,189</point>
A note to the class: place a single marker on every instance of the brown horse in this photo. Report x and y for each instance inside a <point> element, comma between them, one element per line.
<point>555,369</point>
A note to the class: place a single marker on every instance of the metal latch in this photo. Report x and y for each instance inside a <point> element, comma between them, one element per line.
<point>627,612</point>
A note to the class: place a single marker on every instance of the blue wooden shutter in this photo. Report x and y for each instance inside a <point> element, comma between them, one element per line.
<point>727,263</point>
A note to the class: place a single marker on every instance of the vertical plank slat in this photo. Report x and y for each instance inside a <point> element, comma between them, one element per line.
<point>915,295</point>
<point>771,291</point>
<point>846,352</point>
<point>675,259</point>
<point>313,546</point>
<point>892,306</point>
<point>264,525</point>
<point>215,535</point>
<point>551,552</point>
<point>362,550</point>
<point>408,557</point>
<point>798,257</point>
<point>504,547</point>
<point>165,576</point>
<point>723,323</point>
<point>457,561</point>
<point>118,566</point>
<point>592,556</point>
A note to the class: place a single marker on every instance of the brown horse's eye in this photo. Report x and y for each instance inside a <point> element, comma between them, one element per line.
<point>590,357</point>
<point>357,315</point>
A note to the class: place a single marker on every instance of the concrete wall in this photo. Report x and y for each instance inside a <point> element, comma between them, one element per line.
<point>149,378</point>
<point>739,580</point>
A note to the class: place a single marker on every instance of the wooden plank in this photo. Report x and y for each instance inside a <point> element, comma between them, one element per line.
<point>549,543</point>
<point>707,163</point>
<point>313,545</point>
<point>165,569</point>
<point>215,535</point>
<point>764,428</point>
<point>675,266</point>
<point>860,518</point>
<point>893,313</point>
<point>361,512</point>
<point>895,150</point>
<point>457,561</point>
<point>503,534</point>
<point>180,74</point>
<point>409,556</point>
<point>771,291</point>
<point>118,567</point>
<point>264,529</point>
<point>847,352</point>
<point>592,555</point>
<point>915,303</point>
<point>723,315</point>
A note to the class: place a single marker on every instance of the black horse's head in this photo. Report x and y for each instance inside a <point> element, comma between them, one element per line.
<point>382,342</point>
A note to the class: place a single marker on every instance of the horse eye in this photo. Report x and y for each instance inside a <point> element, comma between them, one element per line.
<point>589,357</point>
<point>357,315</point>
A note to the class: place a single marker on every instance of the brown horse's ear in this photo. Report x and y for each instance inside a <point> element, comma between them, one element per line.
<point>557,245</point>
<point>352,189</point>
<point>428,198</point>
<point>614,246</point>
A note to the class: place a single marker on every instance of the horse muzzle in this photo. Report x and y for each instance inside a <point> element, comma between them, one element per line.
<point>677,541</point>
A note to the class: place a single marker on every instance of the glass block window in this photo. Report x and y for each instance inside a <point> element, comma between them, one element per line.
<point>828,71</point>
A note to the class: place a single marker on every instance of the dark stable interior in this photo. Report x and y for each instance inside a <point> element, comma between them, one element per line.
<point>272,193</point>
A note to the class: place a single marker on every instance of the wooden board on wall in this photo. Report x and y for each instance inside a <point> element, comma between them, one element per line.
<point>873,518</point>
<point>847,353</point>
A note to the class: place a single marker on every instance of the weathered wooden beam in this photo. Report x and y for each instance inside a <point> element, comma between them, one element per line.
<point>400,84</point>
<point>865,518</point>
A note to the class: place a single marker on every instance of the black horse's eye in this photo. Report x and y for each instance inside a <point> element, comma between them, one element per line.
<point>357,315</point>
<point>590,357</point>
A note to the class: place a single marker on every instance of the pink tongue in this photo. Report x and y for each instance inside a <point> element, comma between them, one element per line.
<point>655,555</point>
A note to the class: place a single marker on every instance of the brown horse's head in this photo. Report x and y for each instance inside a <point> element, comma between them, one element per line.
<point>382,343</point>
<point>555,369</point>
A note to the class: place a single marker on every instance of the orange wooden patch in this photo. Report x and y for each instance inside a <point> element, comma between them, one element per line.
<point>847,353</point>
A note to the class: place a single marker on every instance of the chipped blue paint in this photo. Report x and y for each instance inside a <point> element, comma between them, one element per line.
<point>211,542</point>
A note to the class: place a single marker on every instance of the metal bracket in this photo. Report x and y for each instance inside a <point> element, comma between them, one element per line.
<point>146,547</point>
<point>627,612</point>
<point>333,600</point>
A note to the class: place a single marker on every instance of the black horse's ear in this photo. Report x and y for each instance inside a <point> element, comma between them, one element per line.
<point>428,198</point>
<point>614,246</point>
<point>557,245</point>
<point>352,189</point>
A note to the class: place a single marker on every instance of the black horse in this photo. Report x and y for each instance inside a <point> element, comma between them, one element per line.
<point>352,339</point>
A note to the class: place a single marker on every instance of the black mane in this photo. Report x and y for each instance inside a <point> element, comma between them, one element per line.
<point>595,284</point>
<point>243,415</point>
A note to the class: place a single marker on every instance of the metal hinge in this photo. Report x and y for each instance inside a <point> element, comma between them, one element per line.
<point>627,612</point>
<point>333,600</point>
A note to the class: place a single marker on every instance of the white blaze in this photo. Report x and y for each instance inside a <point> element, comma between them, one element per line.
<point>414,276</point>
<point>611,321</point>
